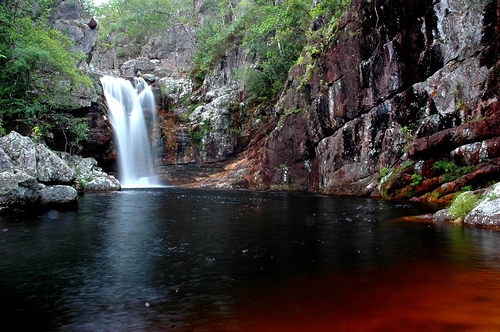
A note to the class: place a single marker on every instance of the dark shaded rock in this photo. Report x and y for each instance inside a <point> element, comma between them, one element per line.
<point>92,24</point>
<point>17,191</point>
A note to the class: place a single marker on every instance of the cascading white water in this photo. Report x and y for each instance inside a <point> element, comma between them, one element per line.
<point>127,108</point>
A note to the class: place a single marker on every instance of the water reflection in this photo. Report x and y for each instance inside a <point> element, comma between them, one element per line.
<point>170,259</point>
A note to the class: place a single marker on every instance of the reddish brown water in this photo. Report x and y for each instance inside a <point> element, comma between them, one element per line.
<point>189,260</point>
<point>418,297</point>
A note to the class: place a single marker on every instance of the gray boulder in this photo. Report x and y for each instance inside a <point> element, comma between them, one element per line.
<point>33,177</point>
<point>51,168</point>
<point>442,216</point>
<point>486,213</point>
<point>90,177</point>
<point>59,196</point>
<point>17,191</point>
<point>101,183</point>
<point>176,88</point>
<point>132,67</point>
<point>21,151</point>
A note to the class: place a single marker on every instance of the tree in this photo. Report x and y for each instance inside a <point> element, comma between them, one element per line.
<point>38,69</point>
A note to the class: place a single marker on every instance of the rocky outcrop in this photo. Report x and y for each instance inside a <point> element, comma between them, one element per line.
<point>32,177</point>
<point>90,177</point>
<point>71,19</point>
<point>68,17</point>
<point>378,99</point>
<point>167,55</point>
<point>473,208</point>
<point>391,87</point>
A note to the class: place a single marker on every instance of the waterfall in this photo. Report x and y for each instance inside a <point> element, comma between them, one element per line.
<point>128,109</point>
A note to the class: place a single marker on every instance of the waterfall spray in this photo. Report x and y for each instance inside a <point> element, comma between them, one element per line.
<point>128,107</point>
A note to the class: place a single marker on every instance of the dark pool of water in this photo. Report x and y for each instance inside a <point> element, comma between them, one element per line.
<point>192,260</point>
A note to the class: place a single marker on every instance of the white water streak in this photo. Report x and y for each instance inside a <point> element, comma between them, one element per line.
<point>127,108</point>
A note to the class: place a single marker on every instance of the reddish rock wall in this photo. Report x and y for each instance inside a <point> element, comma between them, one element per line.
<point>398,85</point>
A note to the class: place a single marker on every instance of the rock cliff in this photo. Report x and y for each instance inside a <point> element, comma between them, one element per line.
<point>395,98</point>
<point>399,99</point>
<point>70,18</point>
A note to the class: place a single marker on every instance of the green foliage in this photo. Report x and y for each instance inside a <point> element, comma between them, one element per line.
<point>407,132</point>
<point>331,9</point>
<point>134,22</point>
<point>79,128</point>
<point>75,130</point>
<point>451,170</point>
<point>384,171</point>
<point>273,34</point>
<point>38,71</point>
<point>416,179</point>
<point>444,166</point>
<point>462,205</point>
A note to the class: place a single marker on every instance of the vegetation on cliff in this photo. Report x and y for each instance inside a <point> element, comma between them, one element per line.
<point>38,72</point>
<point>132,23</point>
<point>271,34</point>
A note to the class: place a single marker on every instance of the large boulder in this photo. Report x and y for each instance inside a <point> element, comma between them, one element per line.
<point>17,191</point>
<point>33,177</point>
<point>21,151</point>
<point>51,168</point>
<point>59,196</point>
<point>486,213</point>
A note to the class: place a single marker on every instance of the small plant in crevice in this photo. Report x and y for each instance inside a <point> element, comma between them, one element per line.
<point>408,135</point>
<point>384,171</point>
<point>416,179</point>
<point>450,170</point>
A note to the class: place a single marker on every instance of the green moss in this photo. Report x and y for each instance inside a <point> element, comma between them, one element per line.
<point>463,205</point>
